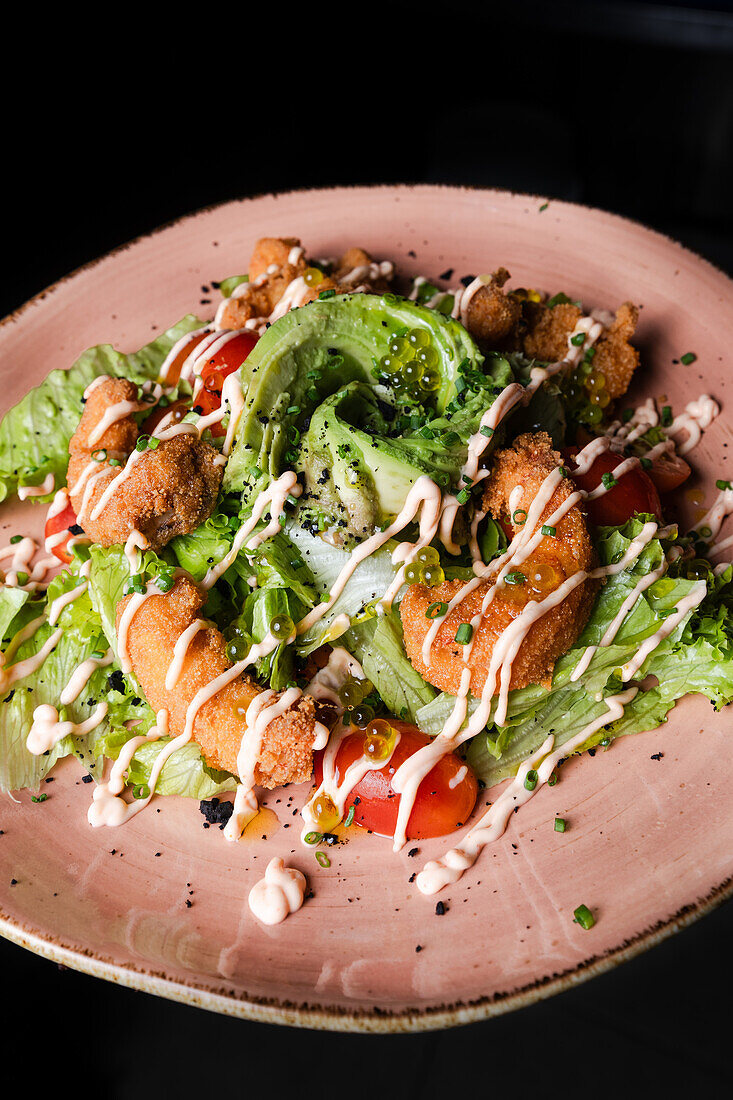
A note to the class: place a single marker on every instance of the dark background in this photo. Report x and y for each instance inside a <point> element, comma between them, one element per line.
<point>115,125</point>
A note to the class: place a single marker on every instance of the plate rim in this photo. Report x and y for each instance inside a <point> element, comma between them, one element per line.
<point>323,1017</point>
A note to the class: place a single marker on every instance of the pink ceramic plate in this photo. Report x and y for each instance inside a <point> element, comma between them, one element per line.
<point>650,842</point>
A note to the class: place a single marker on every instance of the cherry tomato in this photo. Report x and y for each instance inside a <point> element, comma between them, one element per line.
<point>221,364</point>
<point>440,807</point>
<point>177,408</point>
<point>174,371</point>
<point>61,522</point>
<point>635,491</point>
<point>668,472</point>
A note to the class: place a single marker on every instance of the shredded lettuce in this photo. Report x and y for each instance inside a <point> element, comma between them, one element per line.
<point>35,434</point>
<point>378,645</point>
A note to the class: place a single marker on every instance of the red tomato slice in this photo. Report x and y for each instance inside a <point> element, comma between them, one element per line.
<point>439,807</point>
<point>221,364</point>
<point>174,371</point>
<point>58,523</point>
<point>668,472</point>
<point>635,491</point>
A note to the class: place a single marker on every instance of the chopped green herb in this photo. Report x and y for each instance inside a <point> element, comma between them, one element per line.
<point>321,856</point>
<point>519,516</point>
<point>487,431</point>
<point>560,824</point>
<point>666,416</point>
<point>464,496</point>
<point>583,916</point>
<point>720,484</point>
<point>16,539</point>
<point>578,340</point>
<point>436,610</point>
<point>687,358</point>
<point>515,578</point>
<point>549,530</point>
<point>646,464</point>
<point>313,838</point>
<point>322,298</point>
<point>350,815</point>
<point>464,633</point>
<point>39,798</point>
<point>530,779</point>
<point>608,481</point>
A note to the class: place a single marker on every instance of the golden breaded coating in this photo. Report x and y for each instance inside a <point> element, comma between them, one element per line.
<point>169,491</point>
<point>547,335</point>
<point>271,272</point>
<point>492,316</point>
<point>286,754</point>
<point>525,465</point>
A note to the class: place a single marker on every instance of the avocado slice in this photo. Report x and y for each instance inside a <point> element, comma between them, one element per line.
<point>359,475</point>
<point>314,351</point>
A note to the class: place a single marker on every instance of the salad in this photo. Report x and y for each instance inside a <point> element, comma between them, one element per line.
<point>402,540</point>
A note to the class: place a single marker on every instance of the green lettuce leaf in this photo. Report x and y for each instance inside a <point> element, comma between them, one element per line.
<point>379,647</point>
<point>35,433</point>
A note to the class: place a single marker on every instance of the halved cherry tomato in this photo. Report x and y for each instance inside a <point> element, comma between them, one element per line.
<point>635,491</point>
<point>668,472</point>
<point>221,364</point>
<point>178,409</point>
<point>443,803</point>
<point>58,523</point>
<point>174,371</point>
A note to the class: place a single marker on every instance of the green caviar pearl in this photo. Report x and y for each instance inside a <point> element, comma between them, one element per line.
<point>351,692</point>
<point>236,650</point>
<point>400,348</point>
<point>432,575</point>
<point>594,414</point>
<point>413,574</point>
<point>428,357</point>
<point>397,381</point>
<point>430,380</point>
<point>389,364</point>
<point>602,398</point>
<point>412,372</point>
<point>281,627</point>
<point>418,338</point>
<point>362,715</point>
<point>428,556</point>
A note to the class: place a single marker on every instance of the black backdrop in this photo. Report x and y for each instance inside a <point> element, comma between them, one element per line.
<point>115,125</point>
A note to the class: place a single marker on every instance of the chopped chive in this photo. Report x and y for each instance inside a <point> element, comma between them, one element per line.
<point>153,443</point>
<point>451,438</point>
<point>322,297</point>
<point>552,780</point>
<point>608,481</point>
<point>688,357</point>
<point>646,464</point>
<point>16,539</point>
<point>560,824</point>
<point>22,579</point>
<point>706,533</point>
<point>464,633</point>
<point>583,916</point>
<point>436,610</point>
<point>487,431</point>
<point>39,798</point>
<point>515,578</point>
<point>578,340</point>
<point>321,856</point>
<point>113,462</point>
<point>666,416</point>
<point>313,838</point>
<point>563,471</point>
<point>99,455</point>
<point>517,514</point>
<point>143,791</point>
<point>312,393</point>
<point>530,779</point>
<point>549,530</point>
<point>463,497</point>
<point>350,814</point>
<point>142,443</point>
<point>720,484</point>
<point>293,410</point>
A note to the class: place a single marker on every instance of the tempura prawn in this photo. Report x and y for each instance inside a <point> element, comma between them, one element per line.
<point>166,491</point>
<point>516,477</point>
<point>286,752</point>
<point>278,263</point>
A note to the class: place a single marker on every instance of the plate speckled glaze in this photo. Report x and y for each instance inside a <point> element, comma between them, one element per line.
<point>650,842</point>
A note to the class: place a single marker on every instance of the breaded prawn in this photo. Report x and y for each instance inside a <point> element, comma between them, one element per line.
<point>276,262</point>
<point>168,491</point>
<point>286,753</point>
<point>517,473</point>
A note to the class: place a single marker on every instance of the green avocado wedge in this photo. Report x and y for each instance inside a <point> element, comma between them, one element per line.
<point>314,351</point>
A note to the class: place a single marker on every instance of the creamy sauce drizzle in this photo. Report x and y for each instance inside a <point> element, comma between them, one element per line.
<point>48,729</point>
<point>41,490</point>
<point>278,894</point>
